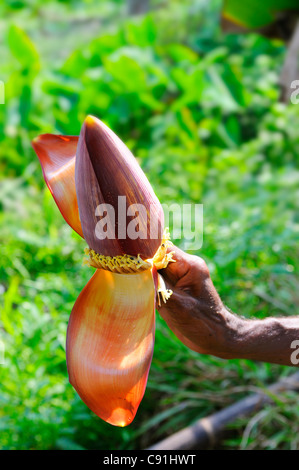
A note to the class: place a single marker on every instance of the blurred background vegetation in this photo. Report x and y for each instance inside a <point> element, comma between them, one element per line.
<point>200,110</point>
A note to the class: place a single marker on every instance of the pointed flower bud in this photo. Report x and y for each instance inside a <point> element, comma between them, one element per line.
<point>119,211</point>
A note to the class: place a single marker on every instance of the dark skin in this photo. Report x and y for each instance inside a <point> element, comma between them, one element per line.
<point>197,316</point>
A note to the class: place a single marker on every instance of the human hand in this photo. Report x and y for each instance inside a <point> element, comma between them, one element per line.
<point>195,312</point>
<point>197,316</point>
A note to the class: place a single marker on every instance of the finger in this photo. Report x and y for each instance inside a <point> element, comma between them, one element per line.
<point>187,272</point>
<point>175,271</point>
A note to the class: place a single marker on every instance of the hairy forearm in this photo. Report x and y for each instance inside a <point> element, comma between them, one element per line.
<point>198,317</point>
<point>273,340</point>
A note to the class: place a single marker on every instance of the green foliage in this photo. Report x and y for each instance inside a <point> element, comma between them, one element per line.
<point>200,111</point>
<point>256,14</point>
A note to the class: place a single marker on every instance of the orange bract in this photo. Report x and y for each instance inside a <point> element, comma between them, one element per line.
<point>110,340</point>
<point>57,156</point>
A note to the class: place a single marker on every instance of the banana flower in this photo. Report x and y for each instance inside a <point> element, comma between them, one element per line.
<point>110,335</point>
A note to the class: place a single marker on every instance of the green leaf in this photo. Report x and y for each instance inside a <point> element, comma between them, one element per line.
<point>256,13</point>
<point>23,48</point>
